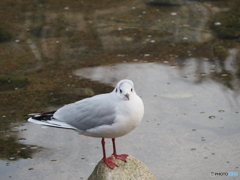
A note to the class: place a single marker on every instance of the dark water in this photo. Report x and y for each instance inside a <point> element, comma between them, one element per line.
<point>183,57</point>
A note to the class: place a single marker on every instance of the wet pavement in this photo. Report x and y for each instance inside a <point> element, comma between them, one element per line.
<point>183,57</point>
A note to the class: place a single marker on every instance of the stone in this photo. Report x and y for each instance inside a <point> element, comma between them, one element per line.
<point>133,169</point>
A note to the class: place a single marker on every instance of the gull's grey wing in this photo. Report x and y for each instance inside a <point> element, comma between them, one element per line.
<point>88,113</point>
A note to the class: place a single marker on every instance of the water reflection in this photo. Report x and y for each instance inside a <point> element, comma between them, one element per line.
<point>191,87</point>
<point>171,78</point>
<point>224,70</point>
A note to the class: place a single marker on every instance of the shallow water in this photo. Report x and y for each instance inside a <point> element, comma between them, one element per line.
<point>183,62</point>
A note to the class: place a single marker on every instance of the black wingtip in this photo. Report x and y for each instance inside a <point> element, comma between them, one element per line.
<point>41,116</point>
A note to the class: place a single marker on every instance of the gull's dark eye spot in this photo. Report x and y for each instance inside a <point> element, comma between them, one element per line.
<point>120,91</point>
<point>131,90</point>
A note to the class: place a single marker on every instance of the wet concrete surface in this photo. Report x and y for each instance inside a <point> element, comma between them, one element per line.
<point>182,62</point>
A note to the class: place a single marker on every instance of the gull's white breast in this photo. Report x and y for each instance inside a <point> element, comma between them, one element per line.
<point>128,116</point>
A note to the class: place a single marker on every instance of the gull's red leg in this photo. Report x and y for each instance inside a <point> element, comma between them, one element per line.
<point>109,161</point>
<point>122,157</point>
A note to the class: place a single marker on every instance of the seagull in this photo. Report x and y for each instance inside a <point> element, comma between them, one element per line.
<point>109,115</point>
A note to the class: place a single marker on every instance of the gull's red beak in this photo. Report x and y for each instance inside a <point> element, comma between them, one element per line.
<point>127,96</point>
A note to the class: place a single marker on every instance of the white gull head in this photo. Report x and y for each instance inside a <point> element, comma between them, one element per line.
<point>125,89</point>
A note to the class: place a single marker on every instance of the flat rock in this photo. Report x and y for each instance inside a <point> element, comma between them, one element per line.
<point>133,169</point>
